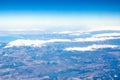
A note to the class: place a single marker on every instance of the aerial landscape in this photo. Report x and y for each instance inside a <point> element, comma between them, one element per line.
<point>59,40</point>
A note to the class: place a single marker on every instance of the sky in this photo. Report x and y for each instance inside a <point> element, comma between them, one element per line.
<point>59,14</point>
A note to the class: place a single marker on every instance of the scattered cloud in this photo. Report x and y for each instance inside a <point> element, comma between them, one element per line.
<point>39,43</point>
<point>90,48</point>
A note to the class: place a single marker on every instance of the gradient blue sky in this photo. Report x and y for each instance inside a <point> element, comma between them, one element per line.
<point>47,14</point>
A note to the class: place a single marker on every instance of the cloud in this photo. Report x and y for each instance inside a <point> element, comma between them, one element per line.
<point>39,43</point>
<point>99,37</point>
<point>33,43</point>
<point>18,43</point>
<point>72,33</point>
<point>78,33</point>
<point>96,37</point>
<point>58,40</point>
<point>107,35</point>
<point>93,39</point>
<point>63,32</point>
<point>90,48</point>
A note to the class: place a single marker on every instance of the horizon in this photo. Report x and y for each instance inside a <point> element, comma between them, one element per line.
<point>53,15</point>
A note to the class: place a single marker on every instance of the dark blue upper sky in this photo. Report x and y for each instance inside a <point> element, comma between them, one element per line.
<point>60,5</point>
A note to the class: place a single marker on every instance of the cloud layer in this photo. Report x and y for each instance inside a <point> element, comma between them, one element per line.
<point>93,38</point>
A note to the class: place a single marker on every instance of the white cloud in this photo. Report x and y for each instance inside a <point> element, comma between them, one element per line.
<point>91,48</point>
<point>63,32</point>
<point>39,43</point>
<point>75,34</point>
<point>93,39</point>
<point>58,40</point>
<point>99,37</point>
<point>33,43</point>
<point>18,43</point>
<point>107,35</point>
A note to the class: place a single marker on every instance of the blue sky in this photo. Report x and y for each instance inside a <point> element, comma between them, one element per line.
<point>61,5</point>
<point>43,14</point>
